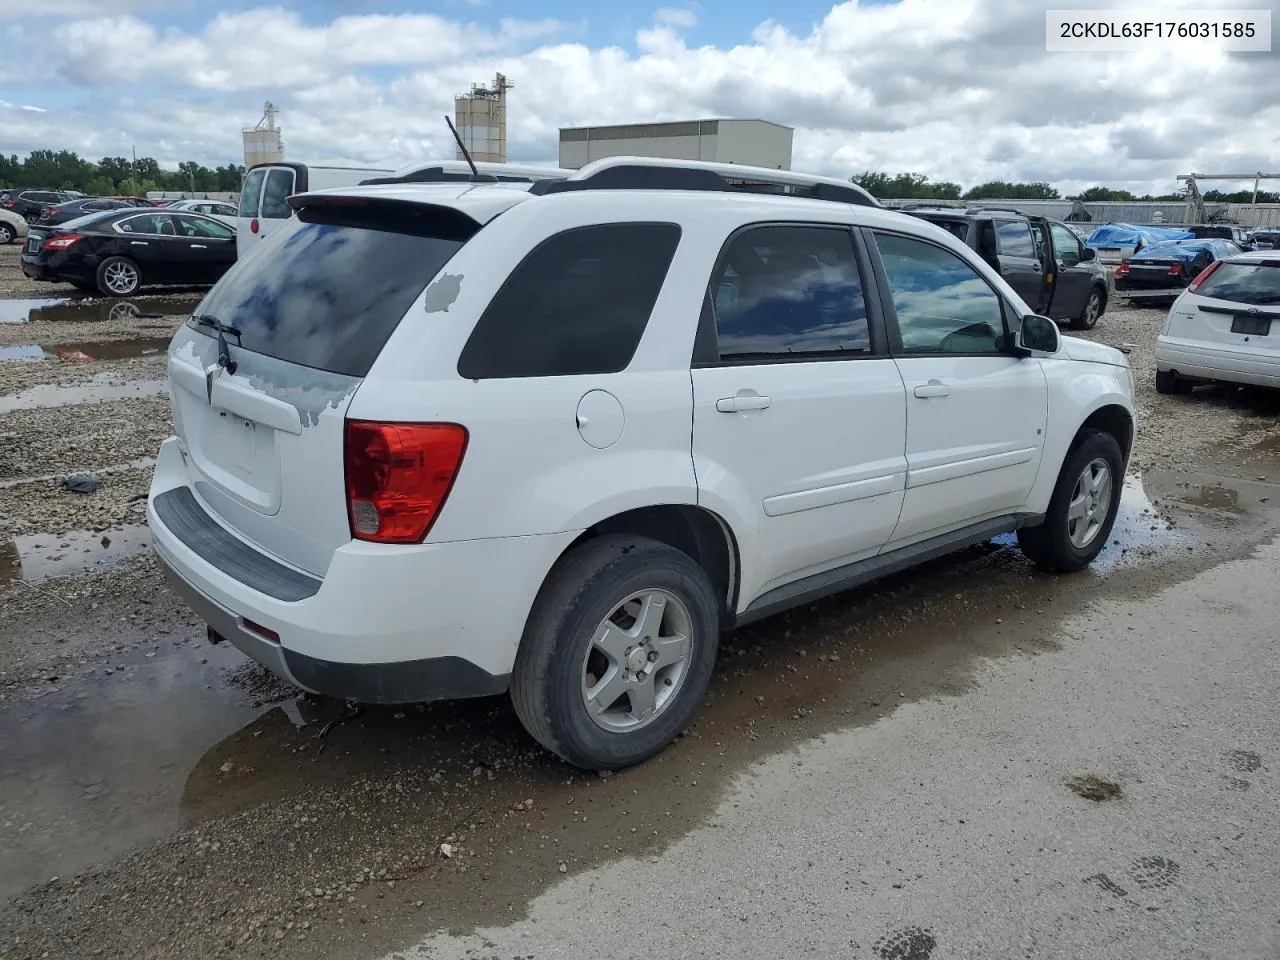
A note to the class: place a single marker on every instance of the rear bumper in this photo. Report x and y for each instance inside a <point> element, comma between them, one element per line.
<point>1190,358</point>
<point>386,624</point>
<point>1129,293</point>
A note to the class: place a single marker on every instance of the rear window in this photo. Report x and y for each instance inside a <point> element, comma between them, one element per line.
<point>275,198</point>
<point>577,304</point>
<point>1253,283</point>
<point>252,193</point>
<point>328,289</point>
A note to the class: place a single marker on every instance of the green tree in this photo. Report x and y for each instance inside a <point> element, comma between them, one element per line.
<point>1099,194</point>
<point>1006,190</point>
<point>905,186</point>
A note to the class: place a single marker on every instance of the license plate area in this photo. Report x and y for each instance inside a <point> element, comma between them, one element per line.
<point>1251,326</point>
<point>232,443</point>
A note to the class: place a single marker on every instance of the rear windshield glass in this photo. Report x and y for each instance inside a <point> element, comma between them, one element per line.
<point>327,290</point>
<point>1254,283</point>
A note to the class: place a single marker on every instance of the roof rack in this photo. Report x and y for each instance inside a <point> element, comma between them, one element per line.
<point>651,173</point>
<point>996,210</point>
<point>457,171</point>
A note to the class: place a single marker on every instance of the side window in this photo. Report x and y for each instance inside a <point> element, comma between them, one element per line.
<point>1065,244</point>
<point>200,227</point>
<point>275,197</point>
<point>943,305</point>
<point>577,304</point>
<point>1013,239</point>
<point>782,291</point>
<point>251,193</point>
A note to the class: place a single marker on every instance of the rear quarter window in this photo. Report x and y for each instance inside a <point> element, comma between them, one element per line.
<point>577,304</point>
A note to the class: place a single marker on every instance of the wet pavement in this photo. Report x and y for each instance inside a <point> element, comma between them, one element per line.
<point>92,309</point>
<point>100,389</point>
<point>86,352</point>
<point>41,556</point>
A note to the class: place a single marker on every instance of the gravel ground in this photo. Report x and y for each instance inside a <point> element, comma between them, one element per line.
<point>14,285</point>
<point>182,817</point>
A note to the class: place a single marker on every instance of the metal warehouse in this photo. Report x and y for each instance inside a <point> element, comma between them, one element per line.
<point>759,143</point>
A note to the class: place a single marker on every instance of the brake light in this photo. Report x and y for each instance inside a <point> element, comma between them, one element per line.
<point>253,225</point>
<point>9,203</point>
<point>1174,270</point>
<point>398,476</point>
<point>62,243</point>
<point>1122,270</point>
<point>1205,274</point>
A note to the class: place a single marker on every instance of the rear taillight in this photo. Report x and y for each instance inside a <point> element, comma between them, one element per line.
<point>253,225</point>
<point>1122,270</point>
<point>1174,269</point>
<point>62,243</point>
<point>398,477</point>
<point>8,203</point>
<point>1205,274</point>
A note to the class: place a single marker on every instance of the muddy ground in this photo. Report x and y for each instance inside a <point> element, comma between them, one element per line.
<point>161,797</point>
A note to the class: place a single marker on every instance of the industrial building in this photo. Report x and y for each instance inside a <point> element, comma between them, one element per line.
<point>481,119</point>
<point>757,143</point>
<point>263,143</point>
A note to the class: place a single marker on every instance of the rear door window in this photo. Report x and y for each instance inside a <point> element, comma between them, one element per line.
<point>329,288</point>
<point>252,193</point>
<point>1257,284</point>
<point>1013,239</point>
<point>276,194</point>
<point>577,304</point>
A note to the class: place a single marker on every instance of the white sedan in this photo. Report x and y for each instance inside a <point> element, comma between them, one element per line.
<point>12,227</point>
<point>218,209</point>
<point>1223,328</point>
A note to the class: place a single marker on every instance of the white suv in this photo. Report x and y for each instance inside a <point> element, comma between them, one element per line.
<point>451,440</point>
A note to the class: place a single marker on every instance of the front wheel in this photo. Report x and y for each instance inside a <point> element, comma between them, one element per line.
<point>7,233</point>
<point>1082,509</point>
<point>617,652</point>
<point>1090,312</point>
<point>119,277</point>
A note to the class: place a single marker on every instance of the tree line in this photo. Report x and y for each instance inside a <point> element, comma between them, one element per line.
<point>917,186</point>
<point>114,176</point>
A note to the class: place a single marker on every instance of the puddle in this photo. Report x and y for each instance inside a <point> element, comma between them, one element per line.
<point>102,388</point>
<point>42,556</point>
<point>89,772</point>
<point>91,309</point>
<point>87,352</point>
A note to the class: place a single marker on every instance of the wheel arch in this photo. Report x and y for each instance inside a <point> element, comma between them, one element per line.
<point>1114,419</point>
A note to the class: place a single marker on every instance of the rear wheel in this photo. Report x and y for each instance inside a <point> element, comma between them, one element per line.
<point>1082,509</point>
<point>1168,382</point>
<point>7,233</point>
<point>1091,311</point>
<point>617,653</point>
<point>119,277</point>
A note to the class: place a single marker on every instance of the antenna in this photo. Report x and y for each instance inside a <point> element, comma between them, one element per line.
<point>466,154</point>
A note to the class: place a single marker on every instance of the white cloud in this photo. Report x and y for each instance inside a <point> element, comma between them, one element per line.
<point>958,89</point>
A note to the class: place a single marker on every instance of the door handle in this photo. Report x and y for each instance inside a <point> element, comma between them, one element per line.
<point>751,401</point>
<point>934,388</point>
<point>198,246</point>
<point>138,243</point>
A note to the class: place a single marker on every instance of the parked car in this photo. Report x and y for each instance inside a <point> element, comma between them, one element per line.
<point>1265,238</point>
<point>12,227</point>
<point>28,203</point>
<point>1225,327</point>
<point>264,198</point>
<point>1221,231</point>
<point>729,404</point>
<point>214,208</point>
<point>1042,259</point>
<point>1163,271</point>
<point>1115,241</point>
<point>73,209</point>
<point>121,251</point>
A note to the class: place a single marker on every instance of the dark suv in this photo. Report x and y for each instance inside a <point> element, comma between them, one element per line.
<point>1044,260</point>
<point>29,203</point>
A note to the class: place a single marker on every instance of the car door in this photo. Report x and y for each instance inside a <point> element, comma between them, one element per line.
<point>153,241</point>
<point>799,411</point>
<point>1019,260</point>
<point>976,411</point>
<point>1073,281</point>
<point>211,247</point>
<point>248,226</point>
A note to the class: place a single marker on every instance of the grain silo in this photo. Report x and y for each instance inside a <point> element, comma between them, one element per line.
<point>262,143</point>
<point>481,119</point>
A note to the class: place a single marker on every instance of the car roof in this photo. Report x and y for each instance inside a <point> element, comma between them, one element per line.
<point>1253,256</point>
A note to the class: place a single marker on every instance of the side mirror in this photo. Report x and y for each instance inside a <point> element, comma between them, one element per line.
<point>1089,254</point>
<point>1037,334</point>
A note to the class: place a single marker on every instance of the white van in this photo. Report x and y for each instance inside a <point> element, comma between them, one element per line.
<point>264,199</point>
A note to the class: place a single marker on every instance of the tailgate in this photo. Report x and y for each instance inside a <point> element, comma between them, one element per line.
<point>262,373</point>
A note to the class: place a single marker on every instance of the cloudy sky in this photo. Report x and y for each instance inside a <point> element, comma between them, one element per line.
<point>957,89</point>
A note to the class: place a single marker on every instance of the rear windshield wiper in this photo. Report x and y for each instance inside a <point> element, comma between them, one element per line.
<point>213,323</point>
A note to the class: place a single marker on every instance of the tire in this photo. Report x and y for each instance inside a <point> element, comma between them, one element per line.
<point>1094,305</point>
<point>559,667</point>
<point>114,275</point>
<point>1169,383</point>
<point>7,233</point>
<point>1050,545</point>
